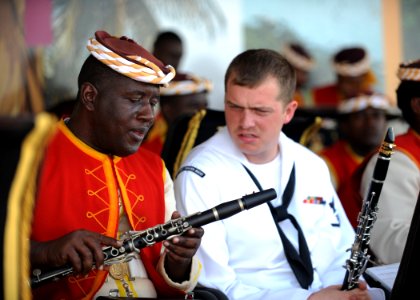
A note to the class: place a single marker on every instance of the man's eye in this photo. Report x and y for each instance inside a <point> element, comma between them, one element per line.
<point>233,106</point>
<point>154,103</point>
<point>261,112</point>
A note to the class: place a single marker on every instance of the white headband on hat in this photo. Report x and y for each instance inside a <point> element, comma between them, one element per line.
<point>145,71</point>
<point>407,73</point>
<point>191,85</point>
<point>363,102</point>
<point>352,69</point>
<point>297,60</point>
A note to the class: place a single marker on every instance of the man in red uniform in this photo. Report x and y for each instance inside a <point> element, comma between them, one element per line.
<point>362,123</point>
<point>402,184</point>
<point>354,77</point>
<point>96,184</point>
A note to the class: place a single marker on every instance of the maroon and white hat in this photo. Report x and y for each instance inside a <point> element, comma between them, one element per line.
<point>298,56</point>
<point>362,102</point>
<point>130,59</point>
<point>351,62</point>
<point>409,71</point>
<point>185,84</point>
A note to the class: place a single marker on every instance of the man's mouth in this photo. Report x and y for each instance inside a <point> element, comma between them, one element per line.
<point>139,133</point>
<point>247,137</point>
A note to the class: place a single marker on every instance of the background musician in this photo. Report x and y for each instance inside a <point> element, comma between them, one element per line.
<point>402,186</point>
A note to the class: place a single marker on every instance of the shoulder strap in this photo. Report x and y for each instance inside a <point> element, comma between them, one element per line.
<point>288,191</point>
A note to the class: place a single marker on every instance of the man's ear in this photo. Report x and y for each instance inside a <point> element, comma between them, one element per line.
<point>88,95</point>
<point>290,111</point>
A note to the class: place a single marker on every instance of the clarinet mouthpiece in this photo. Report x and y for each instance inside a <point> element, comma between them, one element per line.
<point>387,145</point>
<point>390,137</point>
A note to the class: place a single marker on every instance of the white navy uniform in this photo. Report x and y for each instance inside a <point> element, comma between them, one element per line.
<point>243,255</point>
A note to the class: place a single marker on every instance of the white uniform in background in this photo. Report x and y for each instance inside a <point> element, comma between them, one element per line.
<point>396,206</point>
<point>243,255</point>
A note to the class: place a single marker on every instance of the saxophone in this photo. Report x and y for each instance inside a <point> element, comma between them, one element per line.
<point>133,241</point>
<point>359,257</point>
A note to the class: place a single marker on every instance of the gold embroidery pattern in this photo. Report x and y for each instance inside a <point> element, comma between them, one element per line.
<point>98,194</point>
<point>137,199</point>
<point>139,219</point>
<point>77,280</point>
<point>102,194</point>
<point>127,179</point>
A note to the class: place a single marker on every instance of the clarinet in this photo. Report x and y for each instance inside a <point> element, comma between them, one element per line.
<point>359,257</point>
<point>133,241</point>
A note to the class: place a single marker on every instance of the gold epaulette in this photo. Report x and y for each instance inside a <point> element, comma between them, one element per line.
<point>189,139</point>
<point>16,260</point>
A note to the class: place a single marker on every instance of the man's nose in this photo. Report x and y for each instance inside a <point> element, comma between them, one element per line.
<point>146,113</point>
<point>247,118</point>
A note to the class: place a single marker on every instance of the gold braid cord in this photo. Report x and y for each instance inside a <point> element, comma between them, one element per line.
<point>189,139</point>
<point>310,131</point>
<point>20,210</point>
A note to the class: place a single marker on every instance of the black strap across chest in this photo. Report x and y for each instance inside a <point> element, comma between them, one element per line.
<point>299,262</point>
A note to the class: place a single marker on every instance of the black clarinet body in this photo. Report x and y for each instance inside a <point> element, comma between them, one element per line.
<point>134,241</point>
<point>359,257</point>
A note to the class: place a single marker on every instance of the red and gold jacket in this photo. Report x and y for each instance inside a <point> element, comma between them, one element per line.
<point>349,193</point>
<point>342,162</point>
<point>326,96</point>
<point>409,144</point>
<point>78,189</point>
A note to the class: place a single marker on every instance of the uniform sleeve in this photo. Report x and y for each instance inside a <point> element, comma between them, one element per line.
<point>170,207</point>
<point>395,206</point>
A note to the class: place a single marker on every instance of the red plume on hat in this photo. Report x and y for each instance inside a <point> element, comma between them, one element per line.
<point>127,57</point>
